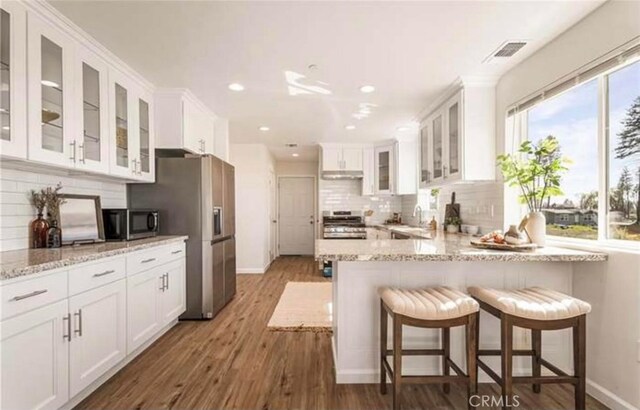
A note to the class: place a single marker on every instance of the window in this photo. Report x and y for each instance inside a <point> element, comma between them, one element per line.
<point>584,130</point>
<point>571,117</point>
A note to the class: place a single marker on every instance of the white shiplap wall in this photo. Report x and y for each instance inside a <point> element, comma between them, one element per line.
<point>345,195</point>
<point>480,204</point>
<point>16,212</point>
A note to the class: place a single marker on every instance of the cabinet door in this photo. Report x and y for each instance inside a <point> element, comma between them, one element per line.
<point>173,296</point>
<point>208,134</point>
<point>13,80</point>
<point>50,94</point>
<point>437,145</point>
<point>425,156</point>
<point>191,129</point>
<point>352,158</point>
<point>384,170</point>
<point>368,170</point>
<point>122,109</point>
<point>331,158</point>
<point>92,111</point>
<point>35,359</point>
<point>145,149</point>
<point>143,307</point>
<point>99,333</point>
<point>453,145</point>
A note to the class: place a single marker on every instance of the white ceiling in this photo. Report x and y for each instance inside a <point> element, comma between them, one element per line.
<point>410,51</point>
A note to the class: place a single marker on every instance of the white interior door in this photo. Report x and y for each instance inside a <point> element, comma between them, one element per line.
<point>296,215</point>
<point>273,217</point>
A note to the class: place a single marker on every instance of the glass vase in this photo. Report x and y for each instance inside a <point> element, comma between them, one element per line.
<point>54,235</point>
<point>38,232</point>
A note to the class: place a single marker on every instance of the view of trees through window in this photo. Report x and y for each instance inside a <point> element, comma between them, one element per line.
<point>572,117</point>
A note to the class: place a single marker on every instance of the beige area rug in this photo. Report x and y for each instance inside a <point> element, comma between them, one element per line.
<point>303,307</point>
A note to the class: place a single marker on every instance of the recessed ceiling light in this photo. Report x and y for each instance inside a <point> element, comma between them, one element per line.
<point>295,154</point>
<point>6,128</point>
<point>350,127</point>
<point>236,87</point>
<point>367,89</point>
<point>264,128</point>
<point>403,128</point>
<point>48,83</point>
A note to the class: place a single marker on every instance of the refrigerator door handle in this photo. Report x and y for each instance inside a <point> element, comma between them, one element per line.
<point>217,221</point>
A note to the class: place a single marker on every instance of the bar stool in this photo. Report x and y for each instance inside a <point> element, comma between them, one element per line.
<point>536,309</point>
<point>440,308</point>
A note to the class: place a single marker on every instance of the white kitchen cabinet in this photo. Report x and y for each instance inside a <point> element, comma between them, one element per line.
<point>406,166</point>
<point>221,138</point>
<point>51,131</point>
<point>368,171</point>
<point>342,157</point>
<point>98,333</point>
<point>384,170</point>
<point>13,80</point>
<point>458,138</point>
<point>144,149</point>
<point>90,148</point>
<point>183,122</point>
<point>35,358</point>
<point>172,297</point>
<point>123,129</point>
<point>143,301</point>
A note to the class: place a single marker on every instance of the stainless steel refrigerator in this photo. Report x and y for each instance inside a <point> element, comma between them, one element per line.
<point>195,196</point>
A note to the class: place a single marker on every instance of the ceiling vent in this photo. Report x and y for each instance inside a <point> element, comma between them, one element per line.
<point>506,50</point>
<point>291,145</point>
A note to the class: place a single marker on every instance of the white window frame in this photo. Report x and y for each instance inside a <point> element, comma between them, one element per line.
<point>603,240</point>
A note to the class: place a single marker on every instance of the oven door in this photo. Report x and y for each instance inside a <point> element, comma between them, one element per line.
<point>142,224</point>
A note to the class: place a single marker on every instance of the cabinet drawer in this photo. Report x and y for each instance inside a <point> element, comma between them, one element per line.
<point>96,274</point>
<point>175,251</point>
<point>30,294</point>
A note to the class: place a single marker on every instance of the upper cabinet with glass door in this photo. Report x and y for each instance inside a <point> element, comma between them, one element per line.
<point>458,139</point>
<point>123,132</point>
<point>92,112</point>
<point>50,86</point>
<point>13,91</point>
<point>145,162</point>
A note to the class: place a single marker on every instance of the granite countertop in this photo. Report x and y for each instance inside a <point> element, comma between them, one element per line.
<point>29,261</point>
<point>412,231</point>
<point>443,247</point>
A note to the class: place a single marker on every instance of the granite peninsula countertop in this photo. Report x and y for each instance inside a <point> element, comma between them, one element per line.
<point>442,248</point>
<point>24,262</point>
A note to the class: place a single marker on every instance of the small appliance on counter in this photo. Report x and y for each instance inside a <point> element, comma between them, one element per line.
<point>129,224</point>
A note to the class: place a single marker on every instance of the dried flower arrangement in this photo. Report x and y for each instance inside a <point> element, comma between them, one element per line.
<point>53,200</point>
<point>38,201</point>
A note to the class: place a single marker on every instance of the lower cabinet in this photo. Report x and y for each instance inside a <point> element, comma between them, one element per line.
<point>35,358</point>
<point>155,298</point>
<point>99,333</point>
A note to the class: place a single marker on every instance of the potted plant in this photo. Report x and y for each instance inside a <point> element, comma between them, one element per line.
<point>452,224</point>
<point>537,170</point>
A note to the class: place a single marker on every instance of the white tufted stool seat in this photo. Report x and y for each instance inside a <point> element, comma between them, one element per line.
<point>532,303</point>
<point>437,303</point>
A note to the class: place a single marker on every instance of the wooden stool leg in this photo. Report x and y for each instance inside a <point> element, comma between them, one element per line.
<point>506,333</point>
<point>446,346</point>
<point>536,346</point>
<point>472,364</point>
<point>579,360</point>
<point>384,318</point>
<point>397,361</point>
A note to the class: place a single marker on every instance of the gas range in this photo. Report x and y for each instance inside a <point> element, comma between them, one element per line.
<point>343,225</point>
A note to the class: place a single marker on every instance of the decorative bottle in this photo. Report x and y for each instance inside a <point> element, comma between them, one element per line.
<point>38,232</point>
<point>54,235</point>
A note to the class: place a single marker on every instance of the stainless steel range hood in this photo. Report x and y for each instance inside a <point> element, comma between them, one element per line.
<point>342,175</point>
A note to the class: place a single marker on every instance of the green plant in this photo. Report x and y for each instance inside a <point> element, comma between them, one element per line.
<point>453,220</point>
<point>53,199</point>
<point>537,169</point>
<point>38,201</point>
<point>435,192</point>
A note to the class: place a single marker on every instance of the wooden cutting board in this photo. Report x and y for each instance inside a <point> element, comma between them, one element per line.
<point>452,209</point>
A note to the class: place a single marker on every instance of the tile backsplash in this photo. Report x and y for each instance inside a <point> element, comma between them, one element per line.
<point>336,195</point>
<point>480,204</point>
<point>16,213</point>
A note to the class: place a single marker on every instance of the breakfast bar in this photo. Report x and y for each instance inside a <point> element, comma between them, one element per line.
<point>360,268</point>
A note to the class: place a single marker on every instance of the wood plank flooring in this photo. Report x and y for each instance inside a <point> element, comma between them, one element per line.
<point>235,362</point>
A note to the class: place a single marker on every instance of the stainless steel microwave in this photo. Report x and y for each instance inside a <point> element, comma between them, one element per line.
<point>128,224</point>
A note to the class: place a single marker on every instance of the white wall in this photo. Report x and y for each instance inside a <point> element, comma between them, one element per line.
<point>613,288</point>
<point>16,212</point>
<point>253,162</point>
<point>284,168</point>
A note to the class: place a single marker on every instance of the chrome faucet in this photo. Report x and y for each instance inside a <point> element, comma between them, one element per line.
<point>417,210</point>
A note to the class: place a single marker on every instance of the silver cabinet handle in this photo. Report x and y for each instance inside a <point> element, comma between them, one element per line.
<point>148,260</point>
<point>107,272</point>
<point>28,295</point>
<point>73,151</point>
<point>176,252</point>
<point>167,276</point>
<point>78,314</point>
<point>66,336</point>
<point>81,154</point>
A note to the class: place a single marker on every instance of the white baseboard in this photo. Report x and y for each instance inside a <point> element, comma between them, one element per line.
<point>607,398</point>
<point>250,271</point>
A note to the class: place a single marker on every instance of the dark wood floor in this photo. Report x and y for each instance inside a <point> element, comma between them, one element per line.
<point>234,362</point>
